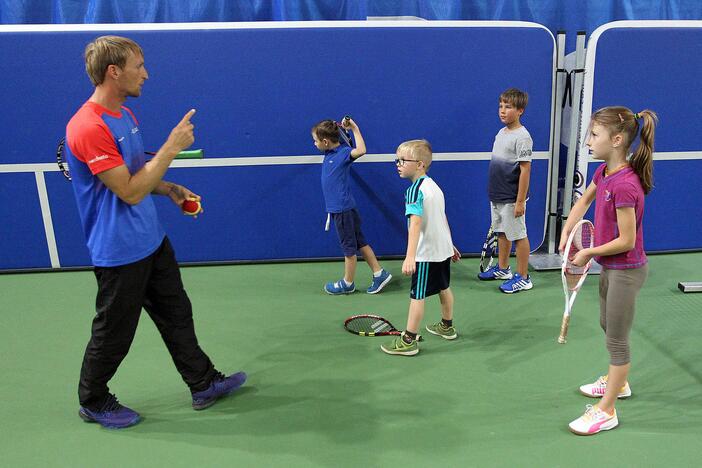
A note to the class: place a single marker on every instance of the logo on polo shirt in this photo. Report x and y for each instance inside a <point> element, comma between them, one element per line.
<point>608,195</point>
<point>102,157</point>
<point>135,130</point>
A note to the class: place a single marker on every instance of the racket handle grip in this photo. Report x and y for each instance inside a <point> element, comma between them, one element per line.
<point>564,329</point>
<point>189,154</point>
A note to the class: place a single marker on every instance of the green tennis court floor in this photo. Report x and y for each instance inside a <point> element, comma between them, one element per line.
<point>500,395</point>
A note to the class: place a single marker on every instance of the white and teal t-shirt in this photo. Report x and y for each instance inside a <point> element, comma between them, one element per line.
<point>425,199</point>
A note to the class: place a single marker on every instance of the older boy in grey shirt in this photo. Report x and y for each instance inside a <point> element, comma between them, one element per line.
<point>508,188</point>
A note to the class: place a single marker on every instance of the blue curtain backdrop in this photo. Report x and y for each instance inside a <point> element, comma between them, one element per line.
<point>568,15</point>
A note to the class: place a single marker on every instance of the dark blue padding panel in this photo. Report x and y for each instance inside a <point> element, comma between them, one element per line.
<point>259,91</point>
<point>22,228</point>
<point>669,223</point>
<point>657,68</point>
<point>277,211</point>
<point>70,240</point>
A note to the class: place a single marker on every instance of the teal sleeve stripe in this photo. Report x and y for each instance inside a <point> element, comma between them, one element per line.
<point>416,208</point>
<point>413,191</point>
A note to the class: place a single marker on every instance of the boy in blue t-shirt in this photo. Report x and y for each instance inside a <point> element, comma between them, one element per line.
<point>341,205</point>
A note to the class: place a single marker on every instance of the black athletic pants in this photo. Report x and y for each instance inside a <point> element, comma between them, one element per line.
<point>153,283</point>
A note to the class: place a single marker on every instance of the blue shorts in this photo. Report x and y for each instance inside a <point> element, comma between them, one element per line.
<point>348,228</point>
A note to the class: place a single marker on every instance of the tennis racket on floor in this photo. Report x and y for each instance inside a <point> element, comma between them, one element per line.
<point>63,164</point>
<point>489,250</point>
<point>581,237</point>
<point>371,325</point>
<point>343,133</point>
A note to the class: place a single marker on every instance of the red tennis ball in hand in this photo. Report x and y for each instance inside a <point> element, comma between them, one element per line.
<point>191,207</point>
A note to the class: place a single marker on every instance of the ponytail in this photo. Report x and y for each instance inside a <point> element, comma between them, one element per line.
<point>642,159</point>
<point>618,119</point>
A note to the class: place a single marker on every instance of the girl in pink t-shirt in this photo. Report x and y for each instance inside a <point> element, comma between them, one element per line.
<point>618,189</point>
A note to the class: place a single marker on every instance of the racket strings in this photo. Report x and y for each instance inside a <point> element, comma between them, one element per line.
<point>584,238</point>
<point>368,325</point>
<point>488,252</point>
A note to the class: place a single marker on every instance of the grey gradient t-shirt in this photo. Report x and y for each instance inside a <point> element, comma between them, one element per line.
<point>510,148</point>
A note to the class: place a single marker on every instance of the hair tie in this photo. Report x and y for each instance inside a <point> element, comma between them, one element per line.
<point>637,116</point>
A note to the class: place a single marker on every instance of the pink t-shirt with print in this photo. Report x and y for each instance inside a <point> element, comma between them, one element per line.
<point>619,190</point>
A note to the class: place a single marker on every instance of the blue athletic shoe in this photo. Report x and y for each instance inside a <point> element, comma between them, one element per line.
<point>496,273</point>
<point>220,386</point>
<point>516,284</point>
<point>112,415</point>
<point>339,287</point>
<point>379,283</point>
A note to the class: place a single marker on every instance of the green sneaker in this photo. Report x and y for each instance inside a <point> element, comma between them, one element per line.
<point>398,346</point>
<point>448,333</point>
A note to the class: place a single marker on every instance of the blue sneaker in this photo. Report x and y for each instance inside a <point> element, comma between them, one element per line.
<point>516,284</point>
<point>220,386</point>
<point>496,273</point>
<point>339,287</point>
<point>379,283</point>
<point>112,415</point>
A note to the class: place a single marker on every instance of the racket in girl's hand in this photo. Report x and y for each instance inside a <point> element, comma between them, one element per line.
<point>343,132</point>
<point>371,325</point>
<point>489,250</point>
<point>581,237</point>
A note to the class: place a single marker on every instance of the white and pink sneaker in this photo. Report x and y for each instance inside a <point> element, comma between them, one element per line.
<point>598,387</point>
<point>593,421</point>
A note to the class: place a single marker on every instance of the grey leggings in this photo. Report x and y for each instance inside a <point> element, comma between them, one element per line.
<point>618,291</point>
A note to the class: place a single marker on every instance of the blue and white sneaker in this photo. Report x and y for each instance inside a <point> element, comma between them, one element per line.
<point>516,284</point>
<point>339,287</point>
<point>379,283</point>
<point>495,273</point>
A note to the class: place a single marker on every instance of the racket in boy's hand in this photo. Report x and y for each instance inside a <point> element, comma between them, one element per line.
<point>489,249</point>
<point>573,276</point>
<point>371,325</point>
<point>344,133</point>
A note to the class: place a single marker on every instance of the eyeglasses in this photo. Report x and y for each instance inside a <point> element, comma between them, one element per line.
<point>401,161</point>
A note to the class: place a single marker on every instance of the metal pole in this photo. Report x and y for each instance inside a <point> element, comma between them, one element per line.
<point>556,143</point>
<point>551,260</point>
<point>577,90</point>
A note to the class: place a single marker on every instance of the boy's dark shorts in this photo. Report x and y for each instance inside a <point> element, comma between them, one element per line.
<point>430,278</point>
<point>348,228</point>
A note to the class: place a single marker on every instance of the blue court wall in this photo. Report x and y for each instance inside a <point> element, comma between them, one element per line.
<point>258,89</point>
<point>655,65</point>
